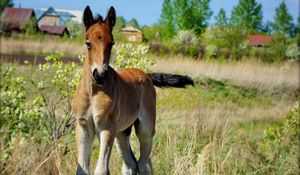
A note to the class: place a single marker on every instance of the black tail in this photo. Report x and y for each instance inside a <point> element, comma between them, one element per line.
<point>170,80</point>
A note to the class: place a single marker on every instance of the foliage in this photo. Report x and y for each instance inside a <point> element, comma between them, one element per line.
<point>31,27</point>
<point>247,15</point>
<point>185,15</point>
<point>282,21</point>
<point>293,51</point>
<point>228,42</point>
<point>186,43</point>
<point>5,3</point>
<point>167,20</point>
<point>132,56</point>
<point>221,19</point>
<point>133,22</point>
<point>76,29</point>
<point>281,141</point>
<point>152,33</point>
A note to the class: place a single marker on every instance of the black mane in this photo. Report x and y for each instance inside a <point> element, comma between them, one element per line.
<point>98,18</point>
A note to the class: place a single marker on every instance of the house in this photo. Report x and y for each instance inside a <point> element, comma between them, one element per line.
<point>54,30</point>
<point>14,20</point>
<point>259,40</point>
<point>52,22</point>
<point>132,34</point>
<point>52,18</point>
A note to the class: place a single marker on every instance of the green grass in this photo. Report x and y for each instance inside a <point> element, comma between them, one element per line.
<point>215,127</point>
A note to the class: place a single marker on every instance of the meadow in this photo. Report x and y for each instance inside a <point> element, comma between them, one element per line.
<point>241,117</point>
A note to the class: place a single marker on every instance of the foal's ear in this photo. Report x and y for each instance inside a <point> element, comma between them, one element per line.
<point>111,17</point>
<point>88,18</point>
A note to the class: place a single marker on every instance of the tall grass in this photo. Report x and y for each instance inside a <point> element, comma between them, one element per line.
<point>216,127</point>
<point>251,73</point>
<point>50,45</point>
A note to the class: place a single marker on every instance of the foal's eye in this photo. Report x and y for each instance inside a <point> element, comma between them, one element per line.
<point>88,44</point>
<point>100,37</point>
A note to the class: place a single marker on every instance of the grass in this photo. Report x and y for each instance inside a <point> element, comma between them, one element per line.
<point>215,127</point>
<point>39,47</point>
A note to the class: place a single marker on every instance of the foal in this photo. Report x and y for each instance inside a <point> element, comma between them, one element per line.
<point>107,103</point>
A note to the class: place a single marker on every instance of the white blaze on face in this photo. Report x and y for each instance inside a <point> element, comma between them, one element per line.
<point>99,68</point>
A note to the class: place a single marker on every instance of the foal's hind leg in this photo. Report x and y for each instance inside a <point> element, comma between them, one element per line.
<point>145,130</point>
<point>123,146</point>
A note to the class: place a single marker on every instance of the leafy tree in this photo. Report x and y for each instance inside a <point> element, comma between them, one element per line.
<point>5,3</point>
<point>76,29</point>
<point>133,22</point>
<point>266,27</point>
<point>189,14</point>
<point>167,21</point>
<point>152,33</point>
<point>247,15</point>
<point>283,20</point>
<point>121,22</point>
<point>200,15</point>
<point>221,19</point>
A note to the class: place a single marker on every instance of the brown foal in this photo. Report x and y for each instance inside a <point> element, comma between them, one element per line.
<point>107,103</point>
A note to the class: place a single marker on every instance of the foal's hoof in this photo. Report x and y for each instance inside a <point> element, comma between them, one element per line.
<point>126,170</point>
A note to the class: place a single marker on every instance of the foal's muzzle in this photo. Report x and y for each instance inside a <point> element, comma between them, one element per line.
<point>100,78</point>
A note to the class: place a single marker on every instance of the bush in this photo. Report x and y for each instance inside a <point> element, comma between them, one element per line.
<point>37,110</point>
<point>226,42</point>
<point>186,43</point>
<point>280,142</point>
<point>293,52</point>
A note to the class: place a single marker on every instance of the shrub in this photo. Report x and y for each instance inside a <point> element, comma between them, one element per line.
<point>186,43</point>
<point>280,142</point>
<point>293,52</point>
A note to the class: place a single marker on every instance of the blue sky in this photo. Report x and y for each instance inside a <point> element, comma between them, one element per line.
<point>148,12</point>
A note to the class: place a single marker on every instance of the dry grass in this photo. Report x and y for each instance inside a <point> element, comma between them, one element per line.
<point>246,72</point>
<point>200,130</point>
<point>11,45</point>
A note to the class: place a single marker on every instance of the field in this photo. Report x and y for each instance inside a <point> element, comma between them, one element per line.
<point>237,119</point>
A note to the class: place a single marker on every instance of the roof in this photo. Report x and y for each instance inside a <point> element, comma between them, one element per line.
<point>130,29</point>
<point>74,14</point>
<point>64,15</point>
<point>16,17</point>
<point>56,30</point>
<point>259,40</point>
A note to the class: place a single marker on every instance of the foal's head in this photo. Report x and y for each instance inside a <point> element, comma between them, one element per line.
<point>99,41</point>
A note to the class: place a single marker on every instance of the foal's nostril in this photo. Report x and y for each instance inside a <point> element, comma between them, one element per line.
<point>95,75</point>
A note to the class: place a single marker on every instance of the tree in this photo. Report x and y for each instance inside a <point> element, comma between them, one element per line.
<point>282,20</point>
<point>167,20</point>
<point>5,3</point>
<point>266,27</point>
<point>247,15</point>
<point>221,19</point>
<point>75,28</point>
<point>133,22</point>
<point>200,15</point>
<point>187,14</point>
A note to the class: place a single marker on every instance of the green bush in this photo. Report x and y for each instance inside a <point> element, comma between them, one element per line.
<point>281,142</point>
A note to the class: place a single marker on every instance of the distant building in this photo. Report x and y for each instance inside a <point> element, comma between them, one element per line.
<point>259,40</point>
<point>54,30</point>
<point>52,18</point>
<point>132,34</point>
<point>14,20</point>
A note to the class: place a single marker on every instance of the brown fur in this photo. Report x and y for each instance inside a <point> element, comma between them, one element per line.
<point>127,97</point>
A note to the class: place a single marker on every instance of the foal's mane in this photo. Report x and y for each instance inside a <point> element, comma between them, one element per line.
<point>98,18</point>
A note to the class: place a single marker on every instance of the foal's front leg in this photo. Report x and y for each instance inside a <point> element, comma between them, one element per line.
<point>84,138</point>
<point>106,131</point>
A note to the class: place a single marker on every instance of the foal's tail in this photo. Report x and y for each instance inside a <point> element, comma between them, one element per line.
<point>170,80</point>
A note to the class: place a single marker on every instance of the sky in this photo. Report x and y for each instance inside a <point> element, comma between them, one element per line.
<point>147,12</point>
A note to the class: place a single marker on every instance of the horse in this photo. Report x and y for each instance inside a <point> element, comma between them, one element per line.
<point>108,102</point>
